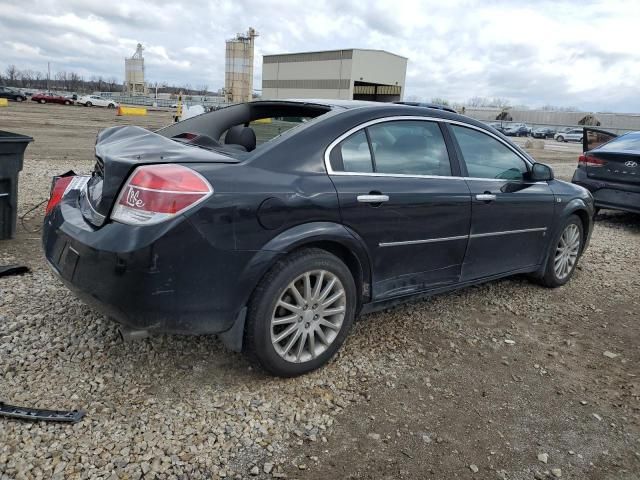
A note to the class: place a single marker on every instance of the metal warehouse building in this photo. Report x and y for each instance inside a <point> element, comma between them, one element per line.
<point>339,74</point>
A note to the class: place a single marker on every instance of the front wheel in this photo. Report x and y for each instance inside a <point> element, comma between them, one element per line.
<point>67,102</point>
<point>19,99</point>
<point>88,104</point>
<point>43,101</point>
<point>111,105</point>
<point>560,138</point>
<point>300,313</point>
<point>566,250</point>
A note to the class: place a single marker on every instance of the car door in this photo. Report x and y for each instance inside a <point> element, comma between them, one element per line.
<point>400,192</point>
<point>510,215</point>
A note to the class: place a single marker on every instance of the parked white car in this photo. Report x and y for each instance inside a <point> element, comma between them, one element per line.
<point>573,135</point>
<point>96,101</point>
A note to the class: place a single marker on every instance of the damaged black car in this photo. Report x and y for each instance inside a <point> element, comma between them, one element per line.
<point>273,224</point>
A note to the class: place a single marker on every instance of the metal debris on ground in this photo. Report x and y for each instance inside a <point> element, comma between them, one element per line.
<point>6,270</point>
<point>25,413</point>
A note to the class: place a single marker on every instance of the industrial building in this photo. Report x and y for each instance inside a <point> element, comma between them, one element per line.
<point>238,78</point>
<point>354,74</point>
<point>134,73</point>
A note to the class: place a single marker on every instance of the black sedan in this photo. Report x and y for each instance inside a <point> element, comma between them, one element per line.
<point>276,234</point>
<point>543,132</point>
<point>610,169</point>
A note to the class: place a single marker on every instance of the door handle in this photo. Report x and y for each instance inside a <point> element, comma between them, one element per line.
<point>372,198</point>
<point>486,197</point>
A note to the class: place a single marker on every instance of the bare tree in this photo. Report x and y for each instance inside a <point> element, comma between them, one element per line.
<point>12,73</point>
<point>440,101</point>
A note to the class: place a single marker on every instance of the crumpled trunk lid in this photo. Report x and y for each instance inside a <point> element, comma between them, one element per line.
<point>119,150</point>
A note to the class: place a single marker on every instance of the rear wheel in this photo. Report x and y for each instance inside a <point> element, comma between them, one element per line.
<point>67,102</point>
<point>43,101</point>
<point>88,104</point>
<point>566,250</point>
<point>19,99</point>
<point>300,313</point>
<point>111,105</point>
<point>560,138</point>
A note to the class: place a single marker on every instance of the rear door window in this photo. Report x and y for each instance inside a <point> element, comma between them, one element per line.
<point>486,157</point>
<point>403,147</point>
<point>409,147</point>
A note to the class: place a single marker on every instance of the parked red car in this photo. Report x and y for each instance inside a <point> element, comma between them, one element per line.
<point>51,98</point>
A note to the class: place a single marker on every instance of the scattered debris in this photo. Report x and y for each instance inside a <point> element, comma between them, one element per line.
<point>6,270</point>
<point>254,470</point>
<point>556,472</point>
<point>267,467</point>
<point>374,436</point>
<point>609,354</point>
<point>25,413</point>
<point>597,417</point>
<point>543,457</point>
<point>473,468</point>
<point>509,341</point>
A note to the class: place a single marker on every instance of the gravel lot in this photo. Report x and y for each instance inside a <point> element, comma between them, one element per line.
<point>506,380</point>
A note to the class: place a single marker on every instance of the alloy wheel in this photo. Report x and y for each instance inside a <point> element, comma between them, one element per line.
<point>567,251</point>
<point>308,316</point>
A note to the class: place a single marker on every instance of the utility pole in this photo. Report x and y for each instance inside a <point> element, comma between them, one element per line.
<point>48,75</point>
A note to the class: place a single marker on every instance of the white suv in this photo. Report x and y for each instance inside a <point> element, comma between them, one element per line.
<point>573,135</point>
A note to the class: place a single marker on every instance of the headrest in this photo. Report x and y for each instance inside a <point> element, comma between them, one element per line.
<point>241,135</point>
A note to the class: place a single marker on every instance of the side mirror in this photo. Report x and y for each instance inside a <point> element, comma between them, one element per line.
<point>541,173</point>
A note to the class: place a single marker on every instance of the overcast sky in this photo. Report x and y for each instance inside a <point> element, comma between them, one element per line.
<point>581,53</point>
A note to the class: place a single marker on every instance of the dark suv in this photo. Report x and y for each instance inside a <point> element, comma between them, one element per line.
<point>275,223</point>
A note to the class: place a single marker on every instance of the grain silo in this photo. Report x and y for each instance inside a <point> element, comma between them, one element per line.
<point>238,81</point>
<point>134,73</point>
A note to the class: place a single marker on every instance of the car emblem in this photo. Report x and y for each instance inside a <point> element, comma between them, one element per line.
<point>631,164</point>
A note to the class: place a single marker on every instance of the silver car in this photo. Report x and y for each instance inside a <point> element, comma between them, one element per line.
<point>573,135</point>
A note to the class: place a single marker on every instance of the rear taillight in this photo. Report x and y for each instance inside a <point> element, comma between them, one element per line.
<point>155,193</point>
<point>590,161</point>
<point>58,189</point>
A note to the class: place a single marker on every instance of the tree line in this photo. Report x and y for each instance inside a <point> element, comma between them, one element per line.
<point>73,82</point>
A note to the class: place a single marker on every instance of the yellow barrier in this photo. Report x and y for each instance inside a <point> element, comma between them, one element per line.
<point>131,111</point>
<point>262,120</point>
<point>4,102</point>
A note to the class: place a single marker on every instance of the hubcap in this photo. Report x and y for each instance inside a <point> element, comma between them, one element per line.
<point>308,316</point>
<point>567,251</point>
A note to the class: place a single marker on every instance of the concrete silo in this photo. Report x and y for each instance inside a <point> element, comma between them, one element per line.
<point>238,81</point>
<point>134,73</point>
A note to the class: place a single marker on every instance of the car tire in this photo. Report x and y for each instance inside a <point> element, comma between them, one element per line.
<point>311,341</point>
<point>42,101</point>
<point>560,138</point>
<point>88,104</point>
<point>564,253</point>
<point>111,105</point>
<point>67,102</point>
<point>19,99</point>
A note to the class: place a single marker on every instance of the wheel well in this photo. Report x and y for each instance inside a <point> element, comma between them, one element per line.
<point>584,218</point>
<point>351,261</point>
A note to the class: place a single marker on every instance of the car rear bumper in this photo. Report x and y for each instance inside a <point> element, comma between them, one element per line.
<point>606,194</point>
<point>164,278</point>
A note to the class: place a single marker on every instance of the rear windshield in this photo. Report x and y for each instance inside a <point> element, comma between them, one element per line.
<point>629,141</point>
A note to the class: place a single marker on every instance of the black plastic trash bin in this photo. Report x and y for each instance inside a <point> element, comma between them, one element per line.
<point>12,147</point>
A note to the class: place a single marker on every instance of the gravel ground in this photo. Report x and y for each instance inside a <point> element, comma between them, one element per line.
<point>483,383</point>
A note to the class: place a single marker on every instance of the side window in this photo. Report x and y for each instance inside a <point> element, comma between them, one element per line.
<point>409,147</point>
<point>356,156</point>
<point>486,157</point>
